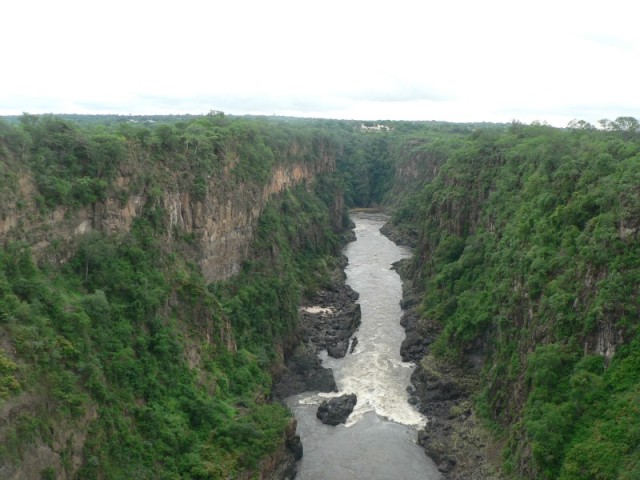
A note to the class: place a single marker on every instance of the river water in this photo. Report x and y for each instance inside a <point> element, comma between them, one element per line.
<point>378,441</point>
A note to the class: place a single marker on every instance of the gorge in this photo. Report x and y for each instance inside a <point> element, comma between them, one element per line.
<point>379,439</point>
<point>152,276</point>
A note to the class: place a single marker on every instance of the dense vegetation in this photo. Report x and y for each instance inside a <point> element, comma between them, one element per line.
<point>124,350</point>
<point>74,164</point>
<point>528,254</point>
<point>526,248</point>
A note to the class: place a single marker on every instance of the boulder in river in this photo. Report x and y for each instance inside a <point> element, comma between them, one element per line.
<point>336,410</point>
<point>354,342</point>
<point>338,349</point>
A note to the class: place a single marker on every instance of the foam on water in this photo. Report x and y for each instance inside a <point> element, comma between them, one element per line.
<point>374,372</point>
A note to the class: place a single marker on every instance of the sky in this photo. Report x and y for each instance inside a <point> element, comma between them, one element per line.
<point>462,61</point>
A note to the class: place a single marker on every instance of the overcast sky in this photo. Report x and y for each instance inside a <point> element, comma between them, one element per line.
<point>480,60</point>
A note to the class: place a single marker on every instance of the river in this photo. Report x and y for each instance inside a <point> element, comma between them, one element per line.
<point>378,440</point>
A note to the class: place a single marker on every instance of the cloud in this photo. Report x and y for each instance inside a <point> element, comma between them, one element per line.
<point>395,90</point>
<point>462,61</point>
<point>611,41</point>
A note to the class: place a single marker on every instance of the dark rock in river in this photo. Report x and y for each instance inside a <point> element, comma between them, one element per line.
<point>294,445</point>
<point>336,410</point>
<point>328,327</point>
<point>338,349</point>
<point>304,372</point>
<point>335,323</point>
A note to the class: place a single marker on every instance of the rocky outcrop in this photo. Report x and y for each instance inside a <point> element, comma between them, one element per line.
<point>419,335</point>
<point>326,322</point>
<point>453,437</point>
<point>405,236</point>
<point>224,222</point>
<point>221,224</point>
<point>303,372</point>
<point>336,410</point>
<point>330,320</point>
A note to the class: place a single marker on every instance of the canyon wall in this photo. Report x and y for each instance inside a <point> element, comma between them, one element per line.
<point>526,255</point>
<point>222,223</point>
<point>155,256</point>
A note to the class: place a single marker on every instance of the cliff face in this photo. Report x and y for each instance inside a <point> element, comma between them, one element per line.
<point>146,330</point>
<point>222,223</point>
<point>526,251</point>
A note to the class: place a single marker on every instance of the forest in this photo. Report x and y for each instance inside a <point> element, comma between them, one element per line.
<point>527,252</point>
<point>103,349</point>
<point>124,359</point>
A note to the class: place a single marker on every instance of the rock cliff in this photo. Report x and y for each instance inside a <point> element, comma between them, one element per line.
<point>526,257</point>
<point>180,251</point>
<point>222,223</point>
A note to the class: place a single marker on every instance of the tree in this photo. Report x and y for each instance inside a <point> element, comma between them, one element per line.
<point>580,125</point>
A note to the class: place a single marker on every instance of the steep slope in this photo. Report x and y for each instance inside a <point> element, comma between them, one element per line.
<point>150,277</point>
<point>528,255</point>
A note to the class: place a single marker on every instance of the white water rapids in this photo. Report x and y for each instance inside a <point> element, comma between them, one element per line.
<point>378,441</point>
